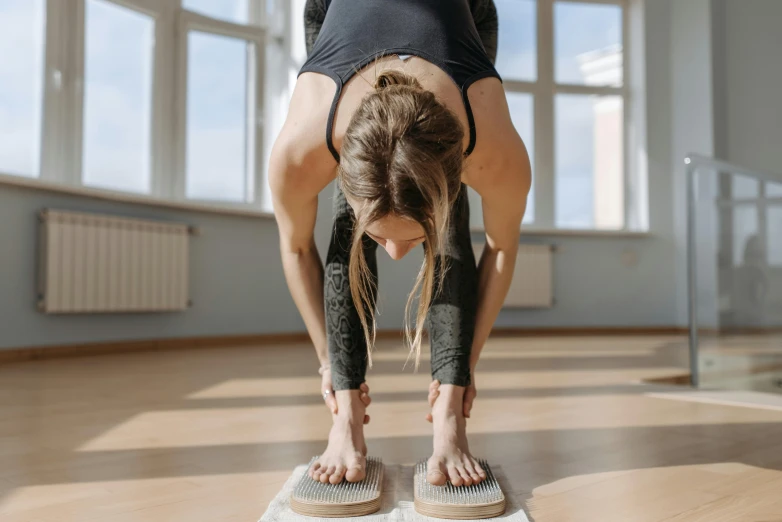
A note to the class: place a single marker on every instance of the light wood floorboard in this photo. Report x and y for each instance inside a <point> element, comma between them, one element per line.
<point>212,434</point>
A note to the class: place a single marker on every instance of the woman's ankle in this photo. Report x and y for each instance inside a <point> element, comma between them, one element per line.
<point>350,406</point>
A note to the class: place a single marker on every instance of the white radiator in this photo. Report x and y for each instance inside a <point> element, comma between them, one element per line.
<point>91,263</point>
<point>533,277</point>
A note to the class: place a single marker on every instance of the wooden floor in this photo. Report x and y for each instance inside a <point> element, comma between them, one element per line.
<point>212,434</point>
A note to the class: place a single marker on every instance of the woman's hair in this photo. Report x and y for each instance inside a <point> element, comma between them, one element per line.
<point>401,155</point>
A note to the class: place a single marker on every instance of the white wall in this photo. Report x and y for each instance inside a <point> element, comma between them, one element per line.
<point>692,123</point>
<point>236,281</point>
<point>753,66</point>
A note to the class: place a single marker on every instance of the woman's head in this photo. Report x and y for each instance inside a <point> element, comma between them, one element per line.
<point>400,170</point>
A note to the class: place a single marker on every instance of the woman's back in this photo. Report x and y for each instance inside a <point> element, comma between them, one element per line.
<point>441,32</point>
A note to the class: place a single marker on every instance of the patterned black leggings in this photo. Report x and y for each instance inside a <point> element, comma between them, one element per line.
<point>451,318</point>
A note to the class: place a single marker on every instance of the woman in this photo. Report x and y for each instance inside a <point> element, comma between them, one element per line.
<point>414,112</point>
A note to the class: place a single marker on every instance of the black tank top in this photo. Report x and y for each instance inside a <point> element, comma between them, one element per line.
<point>442,32</point>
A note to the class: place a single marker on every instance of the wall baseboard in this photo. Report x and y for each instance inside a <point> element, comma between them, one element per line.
<point>586,331</point>
<point>185,343</point>
<point>181,343</point>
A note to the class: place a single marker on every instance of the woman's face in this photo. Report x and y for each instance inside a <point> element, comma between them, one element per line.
<point>397,235</point>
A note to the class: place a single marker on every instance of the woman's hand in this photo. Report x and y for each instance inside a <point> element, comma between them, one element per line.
<point>327,391</point>
<point>470,392</point>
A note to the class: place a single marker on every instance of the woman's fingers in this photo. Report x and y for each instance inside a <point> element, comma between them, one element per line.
<point>364,394</point>
<point>366,419</point>
<point>429,417</point>
<point>331,400</point>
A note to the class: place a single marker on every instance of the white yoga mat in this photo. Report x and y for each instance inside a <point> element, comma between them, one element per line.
<point>397,499</point>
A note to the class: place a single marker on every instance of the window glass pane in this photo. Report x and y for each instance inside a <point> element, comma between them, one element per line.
<point>21,85</point>
<point>774,220</point>
<point>236,11</point>
<point>744,187</point>
<point>589,162</point>
<point>517,40</point>
<point>745,235</point>
<point>117,97</point>
<point>521,112</point>
<point>217,138</point>
<point>588,44</point>
<point>774,190</point>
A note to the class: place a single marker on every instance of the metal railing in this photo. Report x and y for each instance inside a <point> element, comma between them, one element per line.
<point>697,164</point>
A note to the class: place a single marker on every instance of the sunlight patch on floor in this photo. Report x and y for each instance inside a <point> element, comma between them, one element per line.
<point>284,424</point>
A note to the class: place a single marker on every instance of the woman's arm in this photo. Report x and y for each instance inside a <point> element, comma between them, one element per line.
<point>503,182</point>
<point>499,171</point>
<point>503,194</point>
<point>300,167</point>
<point>295,208</point>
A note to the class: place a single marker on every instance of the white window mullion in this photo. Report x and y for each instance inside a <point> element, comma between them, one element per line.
<point>74,139</point>
<point>519,86</point>
<point>590,89</point>
<point>259,121</point>
<point>63,92</point>
<point>180,109</point>
<point>55,98</point>
<point>636,166</point>
<point>605,2</point>
<point>164,112</point>
<point>544,167</point>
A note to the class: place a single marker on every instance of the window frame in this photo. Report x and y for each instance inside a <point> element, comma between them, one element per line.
<point>272,32</point>
<point>544,90</point>
<point>191,21</point>
<point>62,138</point>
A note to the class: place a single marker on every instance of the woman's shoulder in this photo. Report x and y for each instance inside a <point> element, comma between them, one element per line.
<point>497,142</point>
<point>301,145</point>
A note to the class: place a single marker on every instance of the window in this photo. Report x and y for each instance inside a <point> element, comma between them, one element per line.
<point>154,97</point>
<point>517,57</point>
<point>21,85</point>
<point>168,98</point>
<point>565,60</point>
<point>217,145</point>
<point>221,92</point>
<point>774,190</point>
<point>589,162</point>
<point>119,50</point>
<point>745,233</point>
<point>236,11</point>
<point>588,44</point>
<point>521,110</point>
<point>774,223</point>
<point>774,235</point>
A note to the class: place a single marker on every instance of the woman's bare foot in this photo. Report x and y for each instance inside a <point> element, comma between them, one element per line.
<point>346,454</point>
<point>451,459</point>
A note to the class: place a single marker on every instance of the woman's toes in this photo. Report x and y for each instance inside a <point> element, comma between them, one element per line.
<point>479,470</point>
<point>355,473</point>
<point>436,474</point>
<point>466,478</point>
<point>324,477</point>
<point>454,476</point>
<point>338,474</point>
<point>470,469</point>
